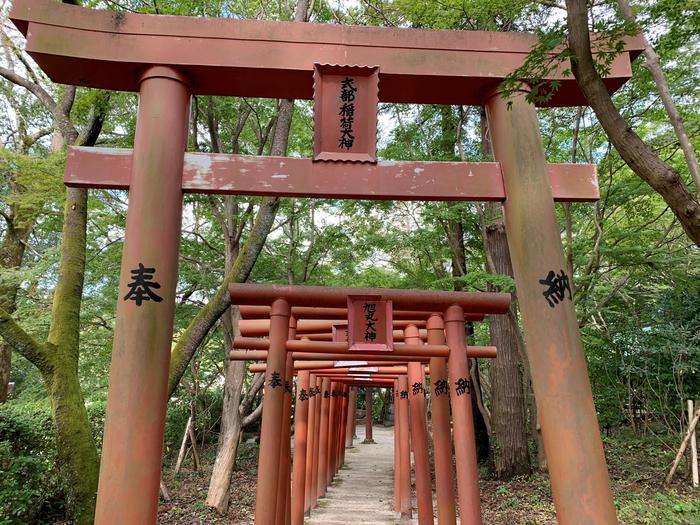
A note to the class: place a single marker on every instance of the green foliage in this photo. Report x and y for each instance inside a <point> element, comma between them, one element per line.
<point>30,487</point>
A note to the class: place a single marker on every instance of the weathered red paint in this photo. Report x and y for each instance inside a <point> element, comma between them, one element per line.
<point>368,416</point>
<point>256,58</point>
<point>272,424</point>
<point>310,445</point>
<point>352,408</point>
<point>284,507</point>
<point>322,477</point>
<point>397,449</point>
<point>328,102</point>
<point>465,445</point>
<point>317,441</point>
<point>301,440</point>
<point>297,177</point>
<point>382,321</point>
<point>476,302</point>
<point>317,313</point>
<point>442,436</point>
<point>404,451</point>
<point>138,386</point>
<point>419,434</point>
<point>575,458</point>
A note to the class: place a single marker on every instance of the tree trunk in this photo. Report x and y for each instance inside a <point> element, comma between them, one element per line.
<point>662,177</point>
<point>653,65</point>
<point>195,333</point>
<point>11,255</point>
<point>77,452</point>
<point>455,238</point>
<point>57,359</point>
<point>508,422</point>
<point>230,433</point>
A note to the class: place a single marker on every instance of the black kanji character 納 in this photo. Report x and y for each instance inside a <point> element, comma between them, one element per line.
<point>463,386</point>
<point>441,387</point>
<point>556,285</point>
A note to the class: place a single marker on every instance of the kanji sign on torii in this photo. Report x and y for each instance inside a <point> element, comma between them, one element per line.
<point>168,59</point>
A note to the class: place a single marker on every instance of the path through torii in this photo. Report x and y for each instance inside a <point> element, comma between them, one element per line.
<point>169,59</point>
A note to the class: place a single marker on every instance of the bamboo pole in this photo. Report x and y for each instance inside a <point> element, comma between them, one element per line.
<point>684,444</point>
<point>693,448</point>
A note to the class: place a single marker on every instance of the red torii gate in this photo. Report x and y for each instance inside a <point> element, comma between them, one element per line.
<point>168,59</point>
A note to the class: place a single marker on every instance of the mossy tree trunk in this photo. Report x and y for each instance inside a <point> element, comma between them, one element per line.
<point>57,358</point>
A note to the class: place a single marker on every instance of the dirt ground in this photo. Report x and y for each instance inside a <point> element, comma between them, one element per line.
<point>637,467</point>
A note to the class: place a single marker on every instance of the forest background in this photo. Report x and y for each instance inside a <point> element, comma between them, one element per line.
<point>632,256</point>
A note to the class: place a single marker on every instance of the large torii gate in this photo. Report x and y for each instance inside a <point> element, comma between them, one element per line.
<point>168,59</point>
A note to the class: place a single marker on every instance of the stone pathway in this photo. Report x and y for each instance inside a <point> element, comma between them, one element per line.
<point>363,490</point>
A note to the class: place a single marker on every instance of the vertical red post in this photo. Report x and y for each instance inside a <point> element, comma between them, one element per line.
<point>310,443</point>
<point>271,428</point>
<point>343,426</point>
<point>317,440</point>
<point>442,437</point>
<point>368,415</point>
<point>397,452</point>
<point>138,387</point>
<point>322,477</point>
<point>284,504</point>
<point>301,420</point>
<point>577,468</point>
<point>460,395</point>
<point>404,449</point>
<point>332,421</point>
<point>352,406</point>
<point>419,432</point>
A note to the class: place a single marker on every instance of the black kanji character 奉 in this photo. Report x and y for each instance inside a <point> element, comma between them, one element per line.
<point>556,286</point>
<point>441,387</point>
<point>417,388</point>
<point>404,394</point>
<point>140,289</point>
<point>303,396</point>
<point>326,394</point>
<point>275,380</point>
<point>463,386</point>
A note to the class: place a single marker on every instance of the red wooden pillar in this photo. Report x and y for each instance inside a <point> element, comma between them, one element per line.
<point>301,420</point>
<point>322,477</point>
<point>460,395</point>
<point>368,415</point>
<point>343,426</point>
<point>138,387</point>
<point>317,443</point>
<point>577,469</point>
<point>419,432</point>
<point>284,504</point>
<point>272,425</point>
<point>310,443</point>
<point>397,452</point>
<point>404,449</point>
<point>332,421</point>
<point>352,407</point>
<point>442,438</point>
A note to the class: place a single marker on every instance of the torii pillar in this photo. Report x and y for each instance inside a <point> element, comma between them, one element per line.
<point>577,469</point>
<point>368,415</point>
<point>138,381</point>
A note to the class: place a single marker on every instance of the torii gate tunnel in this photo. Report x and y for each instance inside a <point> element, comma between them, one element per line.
<point>347,70</point>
